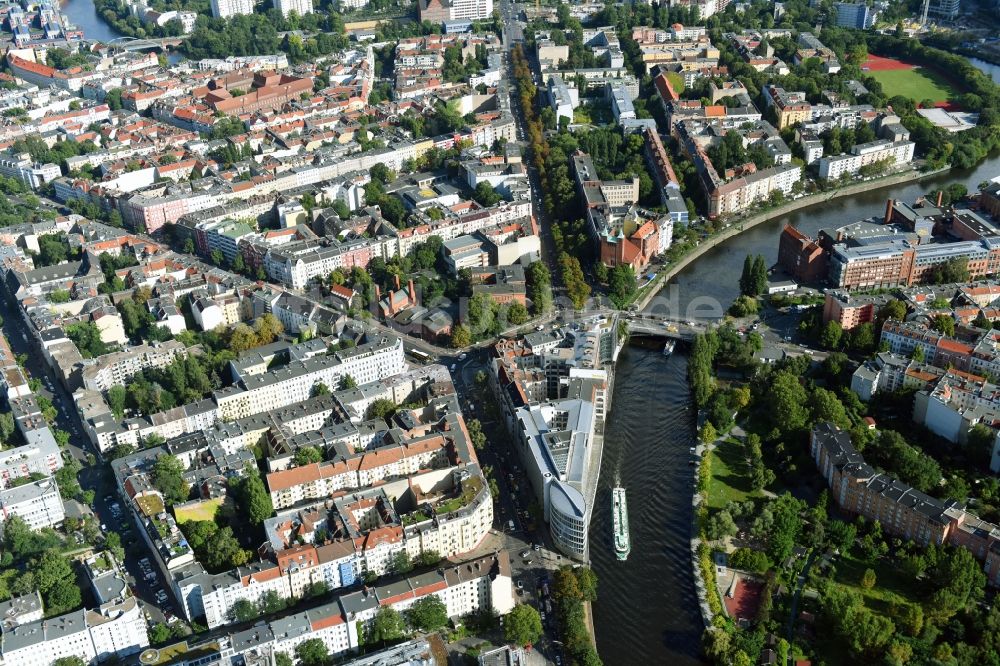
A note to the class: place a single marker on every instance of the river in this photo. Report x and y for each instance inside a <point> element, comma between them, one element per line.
<point>715,275</point>
<point>991,70</point>
<point>83,15</point>
<point>647,611</point>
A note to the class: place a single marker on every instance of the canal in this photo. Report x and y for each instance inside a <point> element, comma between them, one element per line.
<point>83,15</point>
<point>647,611</point>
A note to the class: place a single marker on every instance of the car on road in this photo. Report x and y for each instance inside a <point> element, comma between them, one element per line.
<point>510,525</point>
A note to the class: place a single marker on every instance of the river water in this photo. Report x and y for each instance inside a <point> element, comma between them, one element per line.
<point>84,16</point>
<point>991,70</point>
<point>647,611</point>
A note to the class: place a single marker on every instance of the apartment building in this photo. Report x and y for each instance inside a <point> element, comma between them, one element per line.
<point>113,630</point>
<point>739,190</point>
<point>563,98</point>
<point>318,481</point>
<point>790,107</point>
<point>901,510</point>
<point>666,179</point>
<point>851,311</point>
<point>32,174</point>
<point>300,7</point>
<point>39,456</point>
<point>38,504</point>
<point>857,15</point>
<point>227,8</point>
<point>465,587</point>
<point>117,368</point>
<point>883,151</point>
<point>955,403</point>
<point>291,383</point>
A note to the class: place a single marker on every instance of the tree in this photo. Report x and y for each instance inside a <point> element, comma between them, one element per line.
<point>400,563</point>
<point>383,409</point>
<point>708,433</point>
<point>622,284</point>
<point>56,581</point>
<point>587,580</point>
<point>517,313</point>
<point>868,579</point>
<point>307,455</point>
<point>242,338</point>
<point>785,528</point>
<point>461,336</point>
<point>486,195</point>
<point>255,500</point>
<point>944,324</point>
<point>312,652</point>
<point>159,633</point>
<point>69,661</point>
<point>116,400</point>
<point>523,625</point>
<point>759,274</point>
<point>830,337</point>
<point>347,382</point>
<point>576,285</point>
<point>476,434</point>
<point>387,625</point>
<point>243,611</point>
<point>168,479</point>
<point>382,173</point>
<point>428,614</point>
<point>268,328</point>
<point>428,558</point>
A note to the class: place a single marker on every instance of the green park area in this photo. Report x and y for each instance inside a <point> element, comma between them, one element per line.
<point>196,511</point>
<point>730,480</point>
<point>918,84</point>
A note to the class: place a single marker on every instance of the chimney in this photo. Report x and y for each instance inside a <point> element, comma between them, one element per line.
<point>940,194</point>
<point>413,294</point>
<point>888,211</point>
<point>378,293</point>
<point>397,282</point>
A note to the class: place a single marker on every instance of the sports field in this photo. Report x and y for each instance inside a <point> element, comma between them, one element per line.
<point>917,83</point>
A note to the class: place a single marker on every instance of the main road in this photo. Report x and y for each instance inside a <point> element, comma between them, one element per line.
<point>513,35</point>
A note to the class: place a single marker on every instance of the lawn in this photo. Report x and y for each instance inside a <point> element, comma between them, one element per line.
<point>730,475</point>
<point>204,510</point>
<point>918,84</point>
<point>890,584</point>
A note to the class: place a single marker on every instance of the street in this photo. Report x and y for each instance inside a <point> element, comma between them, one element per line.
<point>96,476</point>
<point>531,555</point>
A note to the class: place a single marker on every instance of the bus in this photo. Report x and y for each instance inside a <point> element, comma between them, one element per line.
<point>419,356</point>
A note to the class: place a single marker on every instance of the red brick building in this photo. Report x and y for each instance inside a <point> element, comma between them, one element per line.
<point>801,256</point>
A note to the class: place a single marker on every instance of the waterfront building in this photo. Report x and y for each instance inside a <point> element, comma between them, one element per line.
<point>554,396</point>
<point>880,151</point>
